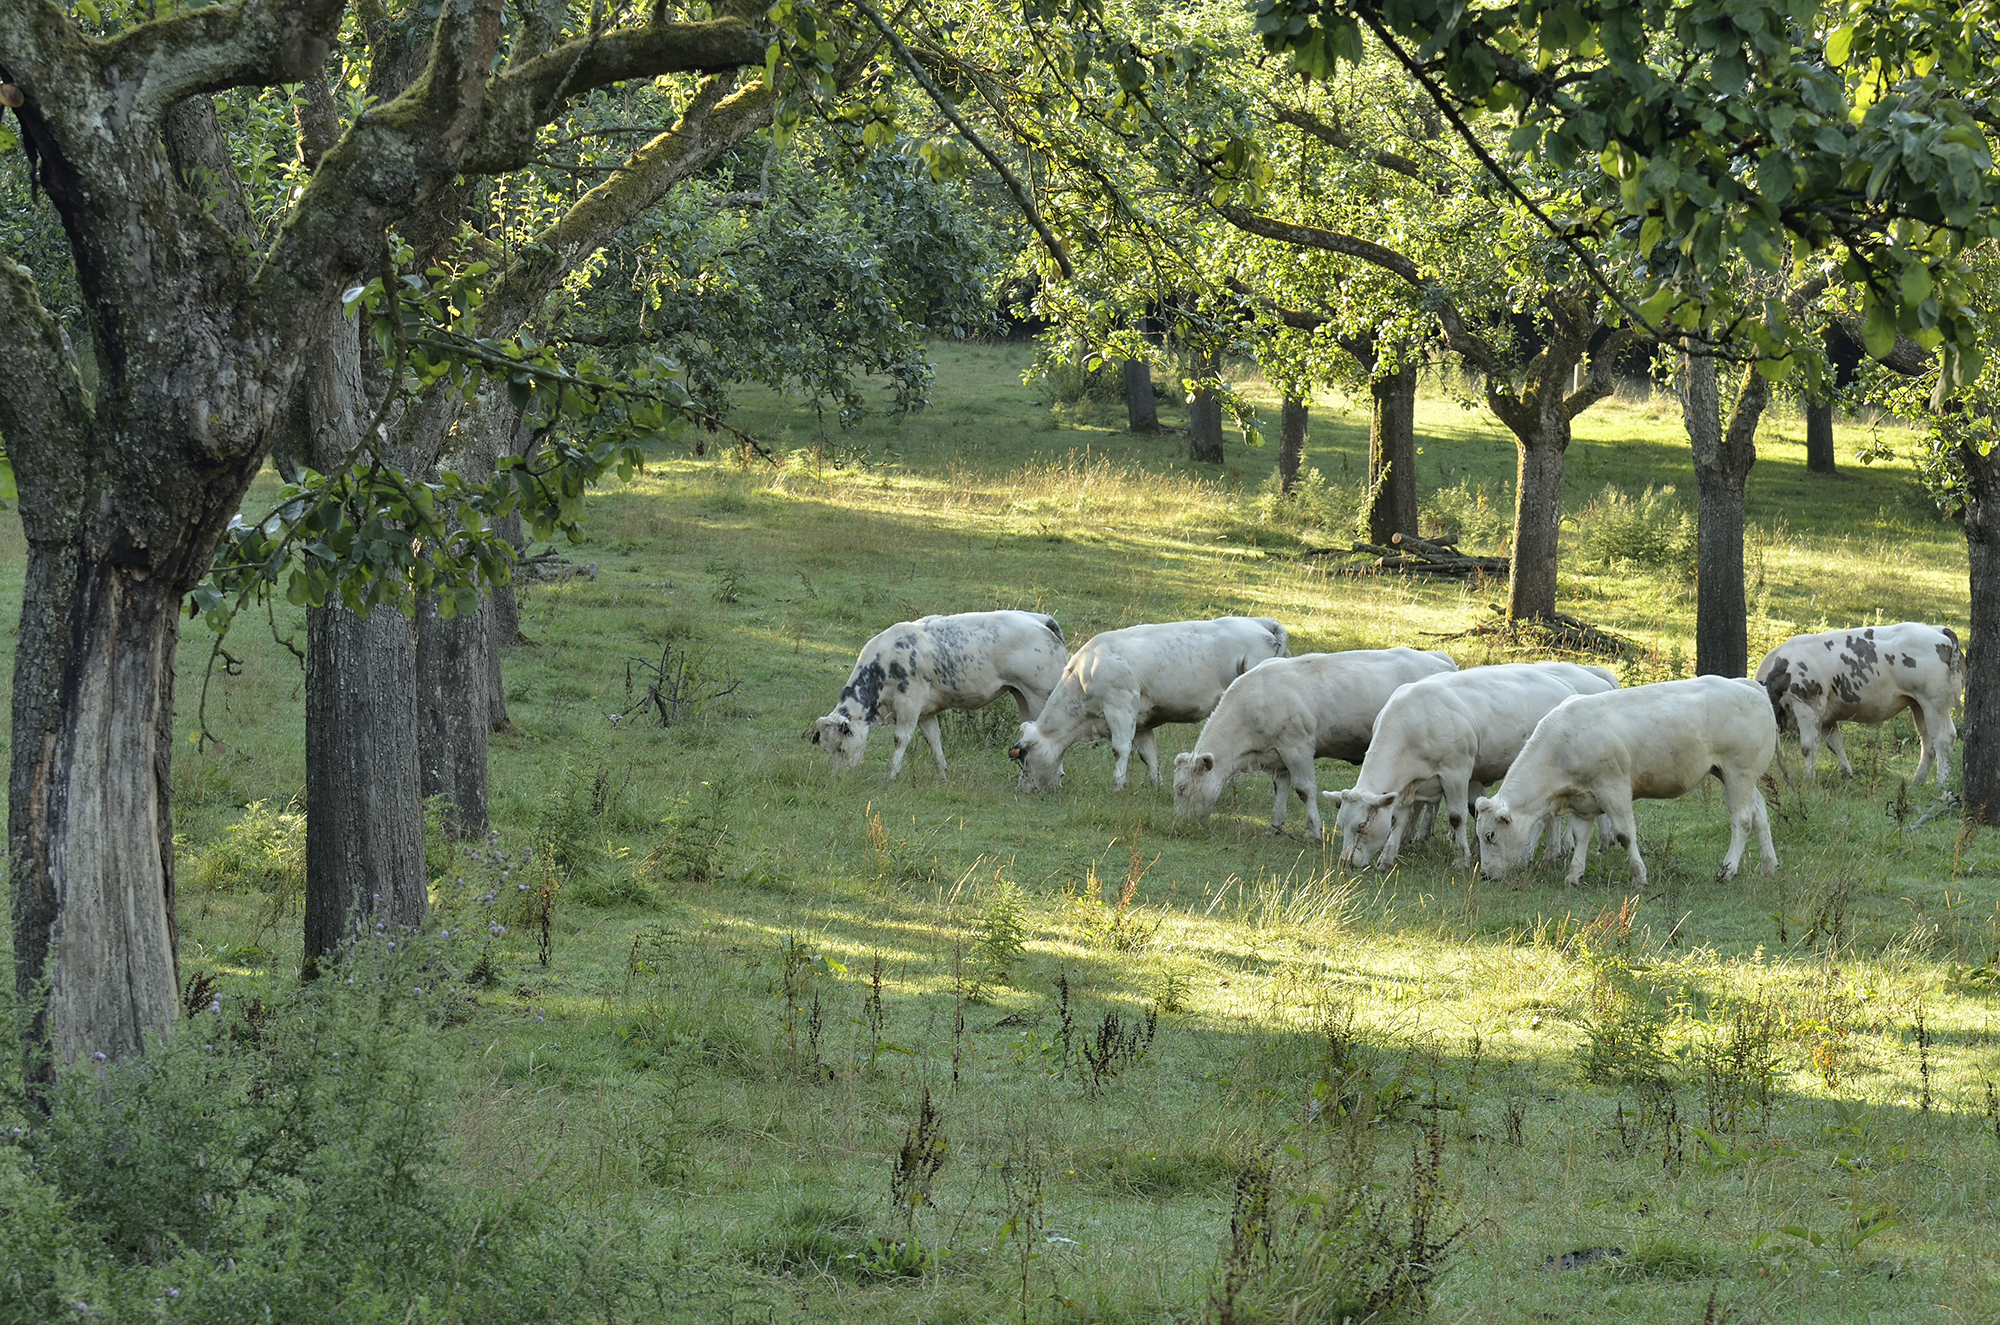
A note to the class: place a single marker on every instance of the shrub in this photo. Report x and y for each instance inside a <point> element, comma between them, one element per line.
<point>689,847</point>
<point>1652,529</point>
<point>1466,509</point>
<point>263,852</point>
<point>1314,507</point>
<point>285,1163</point>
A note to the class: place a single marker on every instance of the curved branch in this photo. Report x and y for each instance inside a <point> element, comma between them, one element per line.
<point>255,43</point>
<point>527,96</point>
<point>711,126</point>
<point>1457,336</point>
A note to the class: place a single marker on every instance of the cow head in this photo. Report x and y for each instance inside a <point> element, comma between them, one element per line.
<point>1506,839</point>
<point>1366,822</point>
<point>1197,785</point>
<point>1040,761</point>
<point>844,738</point>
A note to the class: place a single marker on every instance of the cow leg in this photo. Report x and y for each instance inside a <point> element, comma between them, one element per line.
<point>1122,726</point>
<point>1936,732</point>
<point>1767,854</point>
<point>1281,798</point>
<point>1149,751</point>
<point>1808,724</point>
<point>1579,849</point>
<point>1830,734</point>
<point>929,727</point>
<point>1426,813</point>
<point>1615,804</point>
<point>1457,809</point>
<point>906,728</point>
<point>1304,778</point>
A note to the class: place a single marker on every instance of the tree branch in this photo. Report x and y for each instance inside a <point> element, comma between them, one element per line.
<point>1336,137</point>
<point>254,43</point>
<point>710,126</point>
<point>527,96</point>
<point>1457,336</point>
<point>1022,198</point>
<point>45,413</point>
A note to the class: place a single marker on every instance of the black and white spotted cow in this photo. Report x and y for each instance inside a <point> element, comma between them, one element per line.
<point>1868,674</point>
<point>915,670</point>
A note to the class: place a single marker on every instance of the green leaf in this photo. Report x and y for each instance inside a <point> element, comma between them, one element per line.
<point>1878,331</point>
<point>1839,45</point>
<point>1916,283</point>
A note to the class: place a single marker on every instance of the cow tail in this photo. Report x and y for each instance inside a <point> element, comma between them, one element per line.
<point>1284,639</point>
<point>1055,628</point>
<point>1957,651</point>
<point>1775,687</point>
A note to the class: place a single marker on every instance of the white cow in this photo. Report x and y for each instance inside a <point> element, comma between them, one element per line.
<point>1868,674</point>
<point>915,670</point>
<point>1124,683</point>
<point>1444,738</point>
<point>1283,714</point>
<point>1594,754</point>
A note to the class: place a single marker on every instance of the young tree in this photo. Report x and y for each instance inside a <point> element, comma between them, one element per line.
<point>200,343</point>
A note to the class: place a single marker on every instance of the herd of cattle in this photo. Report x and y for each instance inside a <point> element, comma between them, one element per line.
<point>1573,748</point>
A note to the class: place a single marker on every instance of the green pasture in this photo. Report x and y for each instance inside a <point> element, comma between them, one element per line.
<point>757,969</point>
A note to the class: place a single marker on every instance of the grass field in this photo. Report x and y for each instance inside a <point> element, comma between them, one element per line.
<point>1136,1034</point>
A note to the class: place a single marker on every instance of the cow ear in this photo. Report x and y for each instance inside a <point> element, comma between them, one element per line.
<point>1017,752</point>
<point>1506,818</point>
<point>1480,806</point>
<point>846,727</point>
<point>1385,800</point>
<point>813,735</point>
<point>1182,760</point>
<point>1207,761</point>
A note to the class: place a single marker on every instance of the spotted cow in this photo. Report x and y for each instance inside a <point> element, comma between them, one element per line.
<point>915,670</point>
<point>1867,674</point>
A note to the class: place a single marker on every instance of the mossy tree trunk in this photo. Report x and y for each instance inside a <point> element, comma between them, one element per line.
<point>1392,454</point>
<point>1979,764</point>
<point>1292,426</point>
<point>1205,412</point>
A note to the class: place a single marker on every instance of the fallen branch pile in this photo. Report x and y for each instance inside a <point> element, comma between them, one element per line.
<point>1417,556</point>
<point>1557,632</point>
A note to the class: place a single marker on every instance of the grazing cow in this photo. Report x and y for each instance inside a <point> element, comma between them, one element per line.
<point>1281,715</point>
<point>1443,738</point>
<point>1593,754</point>
<point>1869,674</point>
<point>1124,683</point>
<point>915,670</point>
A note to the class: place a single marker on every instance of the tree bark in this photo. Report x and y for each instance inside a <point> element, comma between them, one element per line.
<point>89,827</point>
<point>1205,413</point>
<point>364,817</point>
<point>454,686</point>
<point>1819,437</point>
<point>1392,455</point>
<point>1979,762</point>
<point>1142,412</point>
<point>1292,420</point>
<point>364,809</point>
<point>1722,463</point>
<point>1538,412</point>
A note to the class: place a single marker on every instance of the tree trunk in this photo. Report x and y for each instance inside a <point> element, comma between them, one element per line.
<point>453,690</point>
<point>1291,441</point>
<point>1142,412</point>
<point>1979,761</point>
<point>364,810</point>
<point>1392,455</point>
<point>91,840</point>
<point>364,817</point>
<point>1819,437</point>
<point>1205,414</point>
<point>1722,462</point>
<point>1538,489</point>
